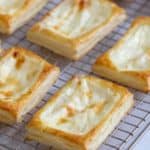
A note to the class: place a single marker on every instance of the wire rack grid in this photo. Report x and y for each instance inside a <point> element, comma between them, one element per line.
<point>129,129</point>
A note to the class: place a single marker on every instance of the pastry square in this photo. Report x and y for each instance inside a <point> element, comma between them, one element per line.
<point>75,26</point>
<point>80,115</point>
<point>24,79</point>
<point>14,13</point>
<point>128,62</point>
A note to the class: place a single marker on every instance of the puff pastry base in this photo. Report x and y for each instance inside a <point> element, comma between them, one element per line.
<point>74,27</point>
<point>25,78</point>
<point>16,13</point>
<point>128,62</point>
<point>80,115</point>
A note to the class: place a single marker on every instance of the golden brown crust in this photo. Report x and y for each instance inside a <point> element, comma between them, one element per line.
<point>105,61</point>
<point>83,140</point>
<point>83,4</point>
<point>5,20</point>
<point>15,107</point>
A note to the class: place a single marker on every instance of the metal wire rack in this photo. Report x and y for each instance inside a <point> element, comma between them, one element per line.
<point>129,129</point>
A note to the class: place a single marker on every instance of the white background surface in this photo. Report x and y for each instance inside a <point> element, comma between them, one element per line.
<point>144,142</point>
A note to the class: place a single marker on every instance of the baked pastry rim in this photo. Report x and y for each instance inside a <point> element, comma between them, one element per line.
<point>84,140</point>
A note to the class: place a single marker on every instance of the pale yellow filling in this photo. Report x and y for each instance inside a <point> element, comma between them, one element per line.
<point>134,52</point>
<point>72,20</point>
<point>10,6</point>
<point>17,75</point>
<point>80,106</point>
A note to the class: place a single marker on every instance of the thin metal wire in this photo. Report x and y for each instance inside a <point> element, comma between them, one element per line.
<point>127,132</point>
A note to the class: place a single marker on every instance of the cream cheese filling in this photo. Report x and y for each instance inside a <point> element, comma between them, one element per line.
<point>80,107</point>
<point>72,21</point>
<point>134,53</point>
<point>17,76</point>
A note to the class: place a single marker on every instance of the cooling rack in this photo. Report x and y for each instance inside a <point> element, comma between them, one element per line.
<point>129,129</point>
